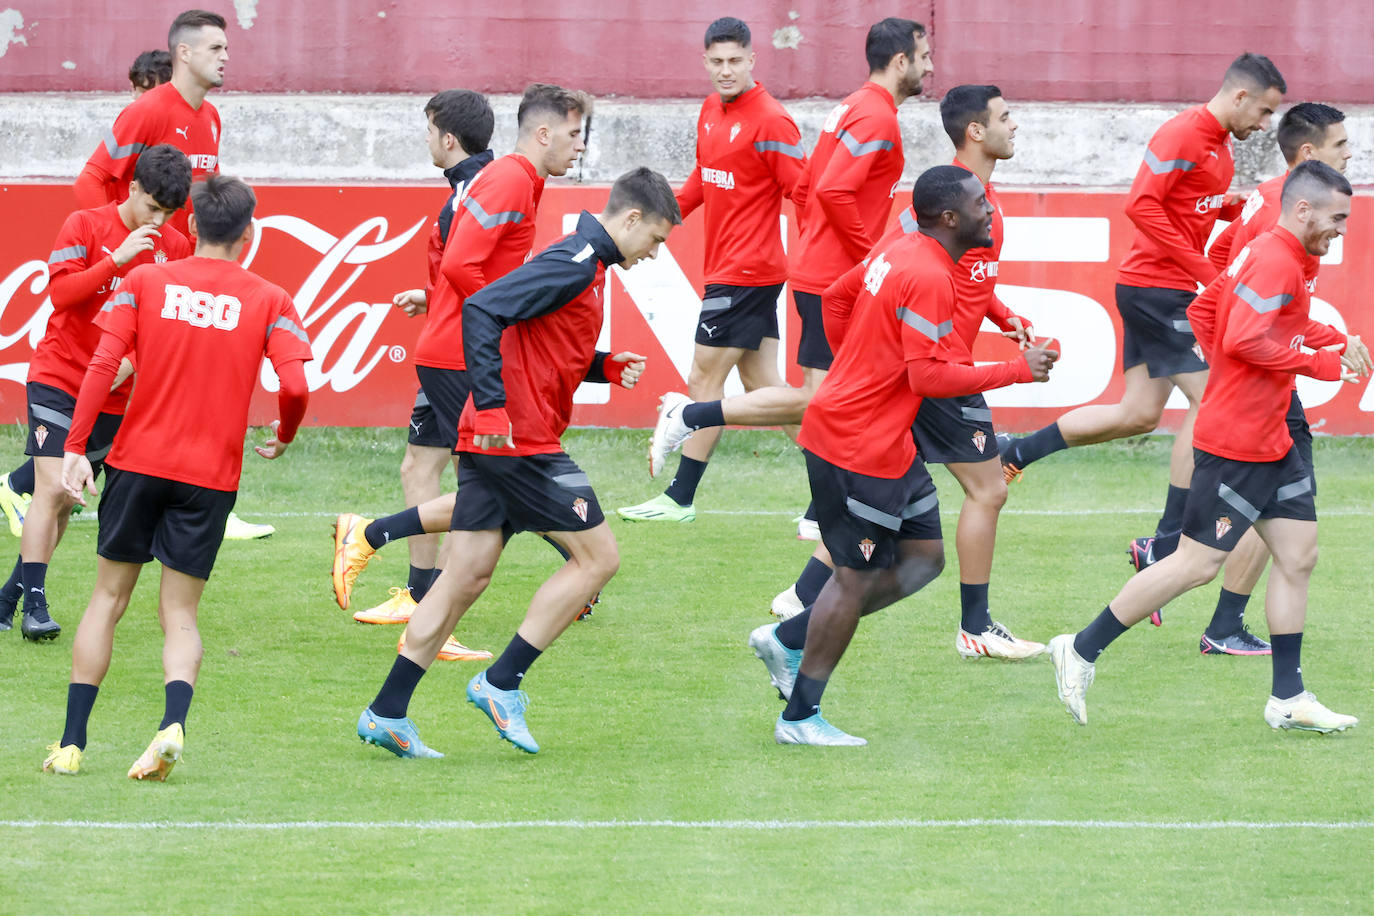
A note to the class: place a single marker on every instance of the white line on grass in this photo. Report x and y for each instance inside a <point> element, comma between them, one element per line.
<point>742,825</point>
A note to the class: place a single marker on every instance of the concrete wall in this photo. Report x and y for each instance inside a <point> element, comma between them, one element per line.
<point>370,138</point>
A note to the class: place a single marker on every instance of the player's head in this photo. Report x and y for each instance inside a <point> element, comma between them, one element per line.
<point>550,124</point>
<point>640,213</point>
<point>460,125</point>
<point>897,49</point>
<point>222,211</point>
<point>978,115</point>
<point>729,57</point>
<point>1316,205</point>
<point>1311,130</point>
<point>952,204</point>
<point>149,69</point>
<point>162,179</point>
<point>1250,92</point>
<point>199,47</point>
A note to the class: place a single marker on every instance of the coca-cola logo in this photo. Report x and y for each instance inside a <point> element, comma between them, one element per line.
<point>34,274</point>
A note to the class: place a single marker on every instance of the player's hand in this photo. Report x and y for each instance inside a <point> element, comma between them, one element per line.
<point>491,442</point>
<point>273,447</point>
<point>1351,371</point>
<point>78,477</point>
<point>412,301</point>
<point>1359,354</point>
<point>631,367</point>
<point>142,239</point>
<point>1020,332</point>
<point>1040,360</point>
<point>485,429</point>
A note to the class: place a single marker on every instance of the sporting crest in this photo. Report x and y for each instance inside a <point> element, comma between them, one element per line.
<point>980,441</point>
<point>580,507</point>
<point>40,435</point>
<point>734,132</point>
<point>1223,526</point>
<point>866,548</point>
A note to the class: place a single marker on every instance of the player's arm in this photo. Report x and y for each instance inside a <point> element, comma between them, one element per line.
<point>536,288</point>
<point>623,369</point>
<point>1224,244</point>
<point>1011,324</point>
<point>74,275</point>
<point>801,192</point>
<point>1202,314</point>
<point>112,163</point>
<point>779,146</point>
<point>288,349</point>
<point>119,333</point>
<point>94,187</point>
<point>485,216</point>
<point>1256,301</point>
<point>837,303</point>
<point>1146,206</point>
<point>690,195</point>
<point>837,189</point>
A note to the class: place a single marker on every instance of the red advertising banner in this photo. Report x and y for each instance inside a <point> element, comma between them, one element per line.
<point>344,252</point>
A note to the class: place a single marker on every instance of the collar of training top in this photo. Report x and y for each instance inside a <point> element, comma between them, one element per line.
<point>590,228</point>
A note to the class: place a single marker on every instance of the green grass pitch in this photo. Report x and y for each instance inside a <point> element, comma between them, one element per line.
<point>659,788</point>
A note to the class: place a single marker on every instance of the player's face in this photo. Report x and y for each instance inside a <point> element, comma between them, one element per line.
<point>975,216</point>
<point>1254,111</point>
<point>730,66</point>
<point>434,142</point>
<point>641,236</point>
<point>565,144</point>
<point>999,137</point>
<point>146,210</point>
<point>209,53</point>
<point>920,68</point>
<point>1325,222</point>
<point>1335,148</point>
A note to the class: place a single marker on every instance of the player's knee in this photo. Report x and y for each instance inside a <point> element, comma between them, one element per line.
<point>921,567</point>
<point>1137,420</point>
<point>991,494</point>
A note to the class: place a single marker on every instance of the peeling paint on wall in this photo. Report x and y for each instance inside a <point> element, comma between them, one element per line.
<point>787,37</point>
<point>246,11</point>
<point>68,65</point>
<point>11,21</point>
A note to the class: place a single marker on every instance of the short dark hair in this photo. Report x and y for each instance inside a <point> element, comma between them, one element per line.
<point>164,173</point>
<point>728,28</point>
<point>938,189</point>
<point>465,114</point>
<point>190,21</point>
<point>545,98</point>
<point>223,207</point>
<point>1254,71</point>
<point>647,190</point>
<point>963,105</point>
<point>889,37</point>
<point>1313,182</point>
<point>1305,122</point>
<point>151,68</point>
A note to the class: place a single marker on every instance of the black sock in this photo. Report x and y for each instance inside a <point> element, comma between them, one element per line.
<point>812,580</point>
<point>178,703</point>
<point>80,699</point>
<point>973,602</point>
<point>13,589</point>
<point>403,524</point>
<point>1098,635</point>
<point>21,478</point>
<point>810,513</point>
<point>703,413</point>
<point>1170,525</point>
<point>683,488</point>
<point>1037,445</point>
<point>806,699</point>
<point>1287,664</point>
<point>507,672</point>
<point>792,631</point>
<point>394,698</point>
<point>35,586</point>
<point>419,581</point>
<point>434,578</point>
<point>1229,616</point>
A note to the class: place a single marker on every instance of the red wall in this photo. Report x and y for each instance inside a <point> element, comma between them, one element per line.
<point>344,252</point>
<point>1136,50</point>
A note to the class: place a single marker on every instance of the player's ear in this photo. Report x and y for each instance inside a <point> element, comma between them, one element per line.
<point>248,232</point>
<point>192,227</point>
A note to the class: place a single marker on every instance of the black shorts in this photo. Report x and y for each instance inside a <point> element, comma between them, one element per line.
<point>424,424</point>
<point>446,390</point>
<point>1155,331</point>
<point>50,419</point>
<point>862,518</point>
<point>523,493</point>
<point>955,430</point>
<point>181,524</point>
<point>1226,497</point>
<point>738,316</point>
<point>1302,435</point>
<point>813,350</point>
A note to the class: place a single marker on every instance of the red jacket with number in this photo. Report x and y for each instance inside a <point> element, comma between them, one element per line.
<point>1178,193</point>
<point>749,156</point>
<point>1254,349</point>
<point>845,194</point>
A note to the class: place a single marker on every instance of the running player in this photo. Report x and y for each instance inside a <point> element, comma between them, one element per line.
<point>95,250</point>
<point>459,128</point>
<point>529,339</point>
<point>1308,130</point>
<point>176,112</point>
<point>1178,193</point>
<point>491,235</point>
<point>198,325</point>
<point>749,156</point>
<point>877,507</point>
<point>1247,470</point>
